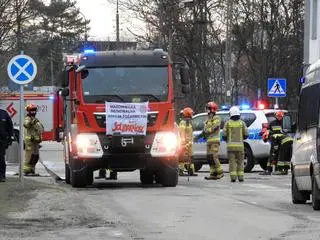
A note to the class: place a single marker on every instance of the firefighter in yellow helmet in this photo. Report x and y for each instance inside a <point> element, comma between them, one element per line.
<point>32,138</point>
<point>235,132</point>
<point>211,132</point>
<point>186,136</point>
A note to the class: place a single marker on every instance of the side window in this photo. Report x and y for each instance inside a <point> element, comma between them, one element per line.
<point>309,107</point>
<point>248,118</point>
<point>198,122</point>
<point>223,117</point>
<point>270,117</point>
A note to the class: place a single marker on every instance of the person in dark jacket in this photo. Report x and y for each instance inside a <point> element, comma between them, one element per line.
<point>6,136</point>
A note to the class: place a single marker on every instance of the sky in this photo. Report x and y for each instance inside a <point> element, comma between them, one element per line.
<point>102,15</point>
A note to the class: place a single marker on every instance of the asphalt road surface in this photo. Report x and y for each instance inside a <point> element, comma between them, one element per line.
<point>259,208</point>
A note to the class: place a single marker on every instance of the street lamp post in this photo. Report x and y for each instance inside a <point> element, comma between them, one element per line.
<point>85,28</point>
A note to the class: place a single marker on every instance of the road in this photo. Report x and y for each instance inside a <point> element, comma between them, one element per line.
<point>259,208</point>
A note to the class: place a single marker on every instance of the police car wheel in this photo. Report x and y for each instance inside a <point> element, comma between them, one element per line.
<point>263,163</point>
<point>298,197</point>
<point>248,159</point>
<point>197,166</point>
<point>315,194</point>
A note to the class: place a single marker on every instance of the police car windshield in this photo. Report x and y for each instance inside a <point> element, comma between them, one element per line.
<point>129,84</point>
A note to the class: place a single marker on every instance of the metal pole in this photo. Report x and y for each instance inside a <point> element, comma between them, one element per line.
<point>228,44</point>
<point>276,106</point>
<point>117,26</point>
<point>51,68</point>
<point>21,155</point>
<point>161,24</point>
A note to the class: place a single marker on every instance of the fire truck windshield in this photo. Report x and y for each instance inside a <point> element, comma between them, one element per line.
<point>126,84</point>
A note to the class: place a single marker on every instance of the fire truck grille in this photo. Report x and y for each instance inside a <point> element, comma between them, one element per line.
<point>101,119</point>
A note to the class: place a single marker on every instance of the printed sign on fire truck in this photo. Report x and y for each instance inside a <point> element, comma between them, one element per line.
<point>126,118</point>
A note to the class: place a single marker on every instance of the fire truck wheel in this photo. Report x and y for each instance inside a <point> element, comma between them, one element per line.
<point>315,194</point>
<point>169,176</point>
<point>146,177</point>
<point>90,177</point>
<point>67,173</point>
<point>298,197</point>
<point>79,179</point>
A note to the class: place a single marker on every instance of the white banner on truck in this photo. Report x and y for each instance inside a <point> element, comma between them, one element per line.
<point>126,118</point>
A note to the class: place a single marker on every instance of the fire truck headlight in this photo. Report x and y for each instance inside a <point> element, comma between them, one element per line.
<point>88,145</point>
<point>165,144</point>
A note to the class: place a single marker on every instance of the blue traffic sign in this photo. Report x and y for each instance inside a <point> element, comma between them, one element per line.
<point>277,87</point>
<point>22,69</point>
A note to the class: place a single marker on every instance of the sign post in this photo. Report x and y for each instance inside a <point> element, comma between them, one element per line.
<point>21,69</point>
<point>277,87</point>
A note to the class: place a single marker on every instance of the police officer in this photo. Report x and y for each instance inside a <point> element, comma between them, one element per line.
<point>186,136</point>
<point>234,132</point>
<point>281,146</point>
<point>211,132</point>
<point>6,137</point>
<point>32,139</point>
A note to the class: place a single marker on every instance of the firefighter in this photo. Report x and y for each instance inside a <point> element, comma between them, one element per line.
<point>6,137</point>
<point>234,132</point>
<point>211,132</point>
<point>281,147</point>
<point>186,136</point>
<point>32,139</point>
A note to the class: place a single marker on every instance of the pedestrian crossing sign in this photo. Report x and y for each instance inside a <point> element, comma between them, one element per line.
<point>277,87</point>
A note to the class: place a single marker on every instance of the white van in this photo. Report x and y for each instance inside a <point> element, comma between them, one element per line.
<point>306,146</point>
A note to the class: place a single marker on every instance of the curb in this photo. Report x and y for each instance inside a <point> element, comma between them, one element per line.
<point>52,174</point>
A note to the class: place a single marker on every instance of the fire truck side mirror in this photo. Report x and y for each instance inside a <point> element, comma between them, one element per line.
<point>184,75</point>
<point>65,92</point>
<point>64,78</point>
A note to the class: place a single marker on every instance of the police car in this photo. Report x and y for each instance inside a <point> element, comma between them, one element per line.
<point>256,150</point>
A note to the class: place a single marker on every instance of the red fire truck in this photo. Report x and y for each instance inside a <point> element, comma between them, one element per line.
<point>48,107</point>
<point>123,77</point>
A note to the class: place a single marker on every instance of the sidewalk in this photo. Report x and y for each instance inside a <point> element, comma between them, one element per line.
<point>13,170</point>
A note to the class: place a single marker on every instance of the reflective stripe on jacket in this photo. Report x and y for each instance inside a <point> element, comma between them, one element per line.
<point>235,132</point>
<point>212,129</point>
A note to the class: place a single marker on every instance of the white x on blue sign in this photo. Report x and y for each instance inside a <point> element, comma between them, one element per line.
<point>22,69</point>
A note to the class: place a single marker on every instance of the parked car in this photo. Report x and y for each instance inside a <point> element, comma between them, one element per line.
<point>256,150</point>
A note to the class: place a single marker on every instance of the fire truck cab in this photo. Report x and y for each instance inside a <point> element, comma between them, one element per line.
<point>124,77</point>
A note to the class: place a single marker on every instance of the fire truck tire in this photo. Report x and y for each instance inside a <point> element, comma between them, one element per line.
<point>89,177</point>
<point>248,159</point>
<point>16,135</point>
<point>146,176</point>
<point>79,179</point>
<point>67,173</point>
<point>315,194</point>
<point>298,197</point>
<point>169,176</point>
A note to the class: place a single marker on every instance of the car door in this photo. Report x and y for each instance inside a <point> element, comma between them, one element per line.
<point>199,146</point>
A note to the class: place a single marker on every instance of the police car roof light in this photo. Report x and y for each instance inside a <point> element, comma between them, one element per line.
<point>224,107</point>
<point>89,51</point>
<point>261,106</point>
<point>244,106</point>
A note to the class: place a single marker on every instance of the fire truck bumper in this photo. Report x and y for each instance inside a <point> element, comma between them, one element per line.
<point>129,162</point>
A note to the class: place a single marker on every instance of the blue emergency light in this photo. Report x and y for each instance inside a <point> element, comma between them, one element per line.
<point>51,97</point>
<point>244,106</point>
<point>89,51</point>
